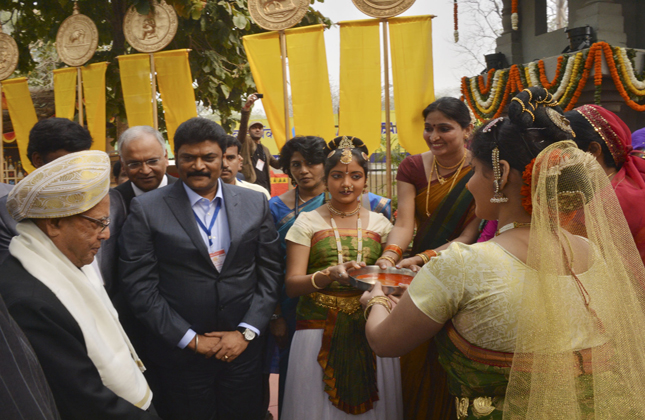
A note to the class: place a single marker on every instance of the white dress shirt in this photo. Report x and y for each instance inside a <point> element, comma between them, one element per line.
<point>220,235</point>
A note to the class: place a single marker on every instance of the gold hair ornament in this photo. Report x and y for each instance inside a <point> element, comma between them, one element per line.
<point>560,121</point>
<point>346,157</point>
<point>524,107</point>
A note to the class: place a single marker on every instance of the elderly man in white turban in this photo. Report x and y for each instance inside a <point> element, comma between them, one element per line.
<point>56,297</point>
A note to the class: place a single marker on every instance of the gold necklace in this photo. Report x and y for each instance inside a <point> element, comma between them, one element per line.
<point>339,245</point>
<point>343,214</point>
<point>450,167</point>
<point>510,226</point>
<point>454,180</point>
<point>437,165</point>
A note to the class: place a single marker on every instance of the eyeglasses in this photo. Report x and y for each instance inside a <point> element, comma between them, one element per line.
<point>103,223</point>
<point>139,164</point>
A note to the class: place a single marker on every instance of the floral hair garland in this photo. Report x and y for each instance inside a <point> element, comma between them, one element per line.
<point>526,188</point>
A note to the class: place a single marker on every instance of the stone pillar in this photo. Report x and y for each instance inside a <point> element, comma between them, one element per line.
<point>510,42</point>
<point>605,17</point>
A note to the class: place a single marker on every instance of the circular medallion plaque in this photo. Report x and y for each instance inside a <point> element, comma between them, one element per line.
<point>151,32</point>
<point>383,8</point>
<point>8,56</point>
<point>276,15</point>
<point>76,40</point>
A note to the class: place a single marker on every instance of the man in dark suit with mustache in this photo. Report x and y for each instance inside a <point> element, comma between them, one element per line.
<point>201,268</point>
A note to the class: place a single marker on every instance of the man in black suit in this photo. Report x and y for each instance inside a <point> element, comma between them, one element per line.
<point>144,158</point>
<point>201,268</point>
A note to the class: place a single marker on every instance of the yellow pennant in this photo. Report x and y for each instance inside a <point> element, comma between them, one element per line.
<point>65,92</point>
<point>412,77</point>
<point>176,89</point>
<point>94,99</point>
<point>22,113</point>
<point>313,113</point>
<point>263,52</point>
<point>136,84</point>
<point>359,112</point>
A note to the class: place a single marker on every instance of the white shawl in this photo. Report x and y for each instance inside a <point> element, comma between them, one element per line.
<point>82,293</point>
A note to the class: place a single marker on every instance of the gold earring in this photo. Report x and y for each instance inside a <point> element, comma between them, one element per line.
<point>498,197</point>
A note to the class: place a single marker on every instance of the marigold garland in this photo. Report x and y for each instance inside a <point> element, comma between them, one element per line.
<point>572,73</point>
<point>545,82</point>
<point>456,33</point>
<point>514,16</point>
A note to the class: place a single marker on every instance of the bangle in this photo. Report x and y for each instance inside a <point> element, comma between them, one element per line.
<point>377,300</point>
<point>394,248</point>
<point>430,253</point>
<point>196,342</point>
<point>387,258</point>
<point>423,257</point>
<point>313,282</point>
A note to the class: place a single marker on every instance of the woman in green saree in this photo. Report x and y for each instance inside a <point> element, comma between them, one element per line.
<point>432,195</point>
<point>536,322</point>
<point>333,373</point>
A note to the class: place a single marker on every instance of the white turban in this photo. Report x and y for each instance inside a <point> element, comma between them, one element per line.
<point>69,185</point>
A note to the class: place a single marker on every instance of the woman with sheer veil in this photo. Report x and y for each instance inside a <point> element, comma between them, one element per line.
<point>537,322</point>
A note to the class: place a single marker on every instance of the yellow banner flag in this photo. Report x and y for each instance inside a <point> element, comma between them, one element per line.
<point>313,113</point>
<point>176,89</point>
<point>137,88</point>
<point>263,52</point>
<point>412,77</point>
<point>22,113</point>
<point>65,92</point>
<point>360,82</point>
<point>94,98</point>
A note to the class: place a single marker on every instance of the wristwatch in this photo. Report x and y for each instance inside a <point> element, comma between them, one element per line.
<point>247,333</point>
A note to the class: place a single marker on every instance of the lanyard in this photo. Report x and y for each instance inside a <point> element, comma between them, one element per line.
<point>210,227</point>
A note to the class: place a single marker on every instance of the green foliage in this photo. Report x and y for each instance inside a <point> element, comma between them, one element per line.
<point>212,29</point>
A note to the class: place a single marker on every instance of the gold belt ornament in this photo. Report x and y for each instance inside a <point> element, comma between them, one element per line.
<point>345,304</point>
<point>480,406</point>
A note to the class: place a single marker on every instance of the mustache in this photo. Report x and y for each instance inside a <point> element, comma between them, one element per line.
<point>206,174</point>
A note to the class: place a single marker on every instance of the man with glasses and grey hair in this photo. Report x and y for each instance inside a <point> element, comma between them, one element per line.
<point>145,159</point>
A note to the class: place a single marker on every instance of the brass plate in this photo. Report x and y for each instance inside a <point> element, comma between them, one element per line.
<point>276,15</point>
<point>151,32</point>
<point>383,8</point>
<point>8,56</point>
<point>76,40</point>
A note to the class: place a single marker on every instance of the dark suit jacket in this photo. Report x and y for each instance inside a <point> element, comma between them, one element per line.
<point>171,283</point>
<point>58,341</point>
<point>128,193</point>
<point>24,393</point>
<point>7,224</point>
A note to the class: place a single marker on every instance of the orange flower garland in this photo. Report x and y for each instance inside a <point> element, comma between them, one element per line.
<point>545,82</point>
<point>489,82</point>
<point>526,187</point>
<point>576,83</point>
<point>591,56</point>
<point>609,56</point>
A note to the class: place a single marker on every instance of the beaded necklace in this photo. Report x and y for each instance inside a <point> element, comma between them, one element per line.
<point>359,228</point>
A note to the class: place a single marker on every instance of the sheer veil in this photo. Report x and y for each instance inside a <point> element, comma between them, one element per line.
<point>580,350</point>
